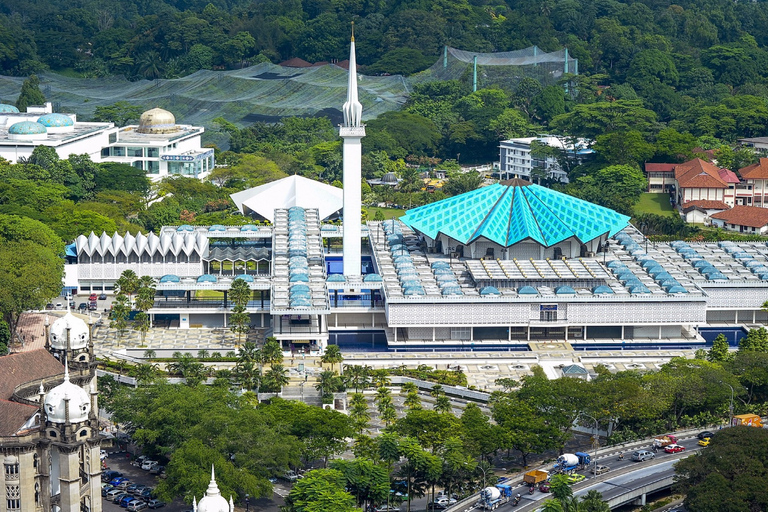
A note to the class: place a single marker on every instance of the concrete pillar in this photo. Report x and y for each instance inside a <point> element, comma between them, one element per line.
<point>433,334</point>
<point>622,333</point>
<point>529,333</point>
<point>660,332</point>
<point>69,479</point>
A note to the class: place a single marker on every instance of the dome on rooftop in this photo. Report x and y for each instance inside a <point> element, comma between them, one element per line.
<point>389,177</point>
<point>67,396</point>
<point>55,120</point>
<point>78,333</point>
<point>157,120</point>
<point>8,109</point>
<point>27,130</point>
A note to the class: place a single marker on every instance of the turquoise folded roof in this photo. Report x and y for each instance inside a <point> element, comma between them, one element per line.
<point>508,214</point>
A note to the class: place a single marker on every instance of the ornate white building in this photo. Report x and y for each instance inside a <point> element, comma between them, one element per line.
<point>49,435</point>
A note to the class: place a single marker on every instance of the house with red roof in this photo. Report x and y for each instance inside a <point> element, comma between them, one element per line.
<point>699,212</point>
<point>744,219</point>
<point>755,178</point>
<point>661,177</point>
<point>697,180</point>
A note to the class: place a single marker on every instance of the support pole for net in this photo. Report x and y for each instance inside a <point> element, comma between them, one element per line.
<point>566,68</point>
<point>474,74</point>
<point>445,56</point>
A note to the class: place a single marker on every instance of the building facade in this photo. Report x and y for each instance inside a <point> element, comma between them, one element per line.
<point>516,160</point>
<point>49,430</point>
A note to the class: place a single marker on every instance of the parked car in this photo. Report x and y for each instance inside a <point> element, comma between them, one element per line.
<point>105,488</point>
<point>117,480</point>
<point>437,505</point>
<point>291,476</point>
<point>139,489</point>
<point>705,434</point>
<point>82,306</point>
<point>49,306</point>
<point>93,306</point>
<point>135,506</point>
<point>641,455</point>
<point>119,496</point>
<point>124,485</point>
<point>109,475</point>
<point>93,296</point>
<point>132,488</point>
<point>112,493</point>
<point>59,306</point>
<point>103,296</point>
<point>674,448</point>
<point>704,442</point>
<point>158,469</point>
<point>155,504</point>
<point>126,500</point>
<point>600,469</point>
<point>149,464</point>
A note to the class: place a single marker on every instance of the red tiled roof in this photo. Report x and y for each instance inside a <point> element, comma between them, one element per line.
<point>758,171</point>
<point>25,367</point>
<point>706,204</point>
<point>295,63</point>
<point>13,416</point>
<point>750,216</point>
<point>697,173</point>
<point>728,176</point>
<point>657,167</point>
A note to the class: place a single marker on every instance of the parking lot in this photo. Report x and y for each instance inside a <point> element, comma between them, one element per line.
<point>118,461</point>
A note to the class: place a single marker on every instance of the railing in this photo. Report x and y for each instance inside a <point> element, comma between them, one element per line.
<point>32,388</point>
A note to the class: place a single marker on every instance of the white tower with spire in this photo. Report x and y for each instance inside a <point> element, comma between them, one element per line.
<point>351,132</point>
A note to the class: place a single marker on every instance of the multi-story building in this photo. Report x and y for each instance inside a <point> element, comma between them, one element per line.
<point>157,144</point>
<point>516,160</point>
<point>49,429</point>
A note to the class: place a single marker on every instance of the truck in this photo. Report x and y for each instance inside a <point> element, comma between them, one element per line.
<point>492,498</point>
<point>535,477</point>
<point>749,420</point>
<point>663,441</point>
<point>572,461</point>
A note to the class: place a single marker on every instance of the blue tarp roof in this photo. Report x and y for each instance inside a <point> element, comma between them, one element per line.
<point>510,214</point>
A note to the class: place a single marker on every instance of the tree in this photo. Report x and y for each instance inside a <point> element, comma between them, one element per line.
<point>121,308</point>
<point>30,94</point>
<point>272,351</point>
<point>756,340</point>
<point>193,371</point>
<point>593,502</point>
<point>144,373</point>
<point>420,467</point>
<point>719,351</point>
<point>5,337</point>
<point>127,283</point>
<point>321,490</point>
<point>358,376</point>
<point>121,113</point>
<point>145,297</point>
<point>30,276</point>
<point>141,323</point>
<point>461,182</point>
<point>593,119</point>
<point>358,411</point>
<point>734,465</point>
<point>366,481</point>
<point>332,356</point>
<point>239,321</point>
<point>275,378</point>
<point>624,148</point>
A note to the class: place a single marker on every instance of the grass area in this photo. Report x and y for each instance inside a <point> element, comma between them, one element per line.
<point>209,294</point>
<point>387,212</point>
<point>657,204</point>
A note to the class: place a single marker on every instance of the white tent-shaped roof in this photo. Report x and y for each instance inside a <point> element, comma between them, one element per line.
<point>288,192</point>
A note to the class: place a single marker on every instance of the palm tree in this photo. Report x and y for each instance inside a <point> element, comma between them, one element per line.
<point>436,391</point>
<point>593,502</point>
<point>272,351</point>
<point>141,323</point>
<point>332,356</point>
<point>150,354</point>
<point>144,373</point>
<point>327,382</point>
<point>275,378</point>
<point>408,387</point>
<point>380,377</point>
<point>412,401</point>
<point>358,376</point>
<point>358,411</point>
<point>239,292</point>
<point>127,283</point>
<point>247,375</point>
<point>202,354</point>
<point>145,299</point>
<point>193,371</point>
<point>442,404</point>
<point>150,65</point>
<point>389,415</point>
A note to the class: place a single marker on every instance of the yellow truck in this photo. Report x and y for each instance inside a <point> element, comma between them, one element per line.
<point>535,477</point>
<point>749,420</point>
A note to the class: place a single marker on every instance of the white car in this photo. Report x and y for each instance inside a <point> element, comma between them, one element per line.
<point>149,464</point>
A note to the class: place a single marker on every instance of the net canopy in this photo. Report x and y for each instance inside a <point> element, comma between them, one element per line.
<point>500,69</point>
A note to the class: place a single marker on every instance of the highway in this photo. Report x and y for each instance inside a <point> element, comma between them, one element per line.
<point>624,477</point>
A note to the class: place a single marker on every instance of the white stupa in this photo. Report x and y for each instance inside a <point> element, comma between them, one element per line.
<point>213,501</point>
<point>78,332</point>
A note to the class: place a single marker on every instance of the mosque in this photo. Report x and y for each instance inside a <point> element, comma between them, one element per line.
<point>497,268</point>
<point>49,428</point>
<point>156,145</point>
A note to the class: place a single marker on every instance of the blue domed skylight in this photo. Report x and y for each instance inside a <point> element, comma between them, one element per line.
<point>55,120</point>
<point>27,128</point>
<point>8,109</point>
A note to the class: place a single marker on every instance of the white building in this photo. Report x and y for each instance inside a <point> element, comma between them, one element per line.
<point>516,160</point>
<point>157,144</point>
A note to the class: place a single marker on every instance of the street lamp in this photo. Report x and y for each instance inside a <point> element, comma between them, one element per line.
<point>594,442</point>
<point>481,469</point>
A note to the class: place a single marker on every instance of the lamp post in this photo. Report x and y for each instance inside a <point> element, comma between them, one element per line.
<point>481,469</point>
<point>730,407</point>
<point>594,443</point>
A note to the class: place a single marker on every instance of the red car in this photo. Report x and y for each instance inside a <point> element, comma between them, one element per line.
<point>93,297</point>
<point>674,448</point>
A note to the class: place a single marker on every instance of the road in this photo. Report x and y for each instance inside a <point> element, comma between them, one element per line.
<point>623,476</point>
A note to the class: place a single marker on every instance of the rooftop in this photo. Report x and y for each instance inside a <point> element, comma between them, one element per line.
<point>751,216</point>
<point>129,135</point>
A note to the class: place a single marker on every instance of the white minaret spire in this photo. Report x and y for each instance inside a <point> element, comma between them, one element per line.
<point>351,132</point>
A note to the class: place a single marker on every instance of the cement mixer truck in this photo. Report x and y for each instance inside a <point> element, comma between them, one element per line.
<point>572,461</point>
<point>492,498</point>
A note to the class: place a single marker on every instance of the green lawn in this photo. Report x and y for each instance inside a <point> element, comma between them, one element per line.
<point>657,204</point>
<point>388,212</point>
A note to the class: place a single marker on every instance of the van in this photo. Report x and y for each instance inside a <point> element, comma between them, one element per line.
<point>641,455</point>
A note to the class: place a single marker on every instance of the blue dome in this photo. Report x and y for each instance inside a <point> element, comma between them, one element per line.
<point>490,290</point>
<point>527,290</point>
<point>336,278</point>
<point>245,277</point>
<point>207,278</point>
<point>185,227</point>
<point>372,278</point>
<point>170,278</point>
<point>27,128</point>
<point>564,290</point>
<point>8,109</point>
<point>55,120</point>
<point>602,290</point>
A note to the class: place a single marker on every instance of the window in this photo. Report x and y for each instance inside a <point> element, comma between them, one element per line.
<point>548,312</point>
<point>152,167</point>
<point>112,138</point>
<point>138,164</point>
<point>153,152</point>
<point>118,151</point>
<point>104,152</point>
<point>460,333</point>
<point>135,151</point>
<point>12,471</point>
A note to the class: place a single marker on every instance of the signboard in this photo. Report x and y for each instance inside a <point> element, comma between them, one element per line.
<point>548,307</point>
